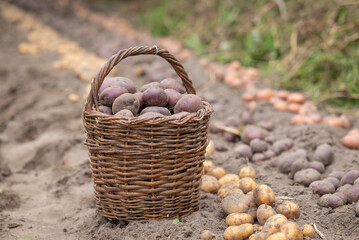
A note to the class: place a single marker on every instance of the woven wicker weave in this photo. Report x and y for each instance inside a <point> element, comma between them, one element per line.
<point>145,168</point>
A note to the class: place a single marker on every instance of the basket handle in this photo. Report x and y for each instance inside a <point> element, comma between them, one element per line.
<point>133,51</point>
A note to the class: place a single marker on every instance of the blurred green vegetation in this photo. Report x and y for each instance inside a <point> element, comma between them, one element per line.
<point>309,46</point>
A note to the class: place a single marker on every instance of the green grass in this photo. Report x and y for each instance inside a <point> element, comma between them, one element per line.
<point>324,33</point>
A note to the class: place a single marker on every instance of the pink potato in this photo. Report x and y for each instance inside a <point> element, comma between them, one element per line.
<point>324,154</point>
<point>126,101</point>
<point>188,103</point>
<point>258,146</point>
<point>285,163</point>
<point>337,174</point>
<point>330,201</point>
<point>243,151</point>
<point>108,96</point>
<point>118,82</point>
<point>170,83</point>
<point>319,166</point>
<point>350,177</point>
<point>268,154</point>
<point>258,157</point>
<point>105,110</point>
<point>173,97</point>
<point>124,113</point>
<point>164,111</point>
<point>252,132</point>
<point>155,96</point>
<point>152,84</point>
<point>282,145</point>
<point>322,187</point>
<point>270,139</point>
<point>306,176</point>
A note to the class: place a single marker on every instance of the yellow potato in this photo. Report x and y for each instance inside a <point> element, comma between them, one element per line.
<point>230,192</point>
<point>289,209</point>
<point>290,229</point>
<point>253,212</point>
<point>247,171</point>
<point>207,235</point>
<point>210,148</point>
<point>262,235</point>
<point>234,204</point>
<point>225,188</point>
<point>263,195</point>
<point>207,164</point>
<point>278,236</point>
<point>216,172</point>
<point>257,227</point>
<point>308,230</point>
<point>246,184</point>
<point>263,213</point>
<point>228,178</point>
<point>274,222</point>
<point>236,232</point>
<point>238,219</point>
<point>209,184</point>
<point>250,193</point>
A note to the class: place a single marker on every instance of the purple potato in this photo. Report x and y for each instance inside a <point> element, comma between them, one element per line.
<point>180,115</point>
<point>108,96</point>
<point>170,83</point>
<point>282,145</point>
<point>344,188</point>
<point>124,113</point>
<point>243,151</point>
<point>154,96</point>
<point>151,115</point>
<point>268,154</point>
<point>267,125</point>
<point>342,196</point>
<point>188,103</point>
<point>330,201</point>
<point>270,139</point>
<point>152,84</point>
<point>246,118</point>
<point>319,166</point>
<point>324,154</point>
<point>287,160</point>
<point>139,97</point>
<point>337,174</point>
<point>322,187</point>
<point>258,157</point>
<point>164,111</point>
<point>105,110</point>
<point>126,101</point>
<point>258,146</point>
<point>306,176</point>
<point>357,209</point>
<point>118,82</point>
<point>231,137</point>
<point>173,97</point>
<point>333,180</point>
<point>251,132</point>
<point>349,177</point>
<point>299,164</point>
<point>352,194</point>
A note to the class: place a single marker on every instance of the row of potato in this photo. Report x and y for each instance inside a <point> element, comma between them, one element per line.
<point>250,207</point>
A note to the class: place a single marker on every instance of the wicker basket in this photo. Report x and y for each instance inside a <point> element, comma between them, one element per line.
<point>145,168</point>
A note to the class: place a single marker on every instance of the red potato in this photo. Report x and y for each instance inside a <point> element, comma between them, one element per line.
<point>298,119</point>
<point>322,187</point>
<point>265,94</point>
<point>258,157</point>
<point>164,111</point>
<point>252,105</point>
<point>283,94</point>
<point>105,110</point>
<point>324,154</point>
<point>282,145</point>
<point>108,95</point>
<point>251,132</point>
<point>294,107</point>
<point>170,83</point>
<point>306,176</point>
<point>319,166</point>
<point>155,96</point>
<point>280,105</point>
<point>188,103</point>
<point>330,201</point>
<point>126,101</point>
<point>124,113</point>
<point>299,164</point>
<point>337,174</point>
<point>334,121</point>
<point>349,177</point>
<point>243,151</point>
<point>333,180</point>
<point>258,146</point>
<point>248,96</point>
<point>351,141</point>
<point>118,82</point>
<point>296,98</point>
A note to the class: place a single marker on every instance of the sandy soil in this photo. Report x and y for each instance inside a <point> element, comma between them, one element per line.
<point>45,177</point>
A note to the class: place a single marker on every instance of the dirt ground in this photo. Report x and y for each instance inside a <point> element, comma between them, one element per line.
<point>45,178</point>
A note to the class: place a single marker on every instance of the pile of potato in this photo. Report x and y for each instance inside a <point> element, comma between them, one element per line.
<point>351,140</point>
<point>252,210</point>
<point>119,97</point>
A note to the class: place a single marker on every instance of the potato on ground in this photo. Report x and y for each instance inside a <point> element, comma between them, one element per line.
<point>238,219</point>
<point>108,95</point>
<point>289,209</point>
<point>240,232</point>
<point>351,140</point>
<point>306,176</point>
<point>207,235</point>
<point>234,204</point>
<point>322,187</point>
<point>258,157</point>
<point>264,212</point>
<point>210,148</point>
<point>330,201</point>
<point>357,209</point>
<point>278,236</point>
<point>337,174</point>
<point>263,194</point>
<point>290,229</point>
<point>257,227</point>
<point>308,230</point>
<point>258,146</point>
<point>299,164</point>
<point>324,154</point>
<point>229,192</point>
<point>247,184</point>
<point>188,103</point>
<point>319,166</point>
<point>253,212</point>
<point>285,162</point>
<point>225,188</point>
<point>262,235</point>
<point>349,177</point>
<point>247,171</point>
<point>251,132</point>
<point>126,101</point>
<point>352,194</point>
<point>207,164</point>
<point>274,223</point>
<point>282,145</point>
<point>209,184</point>
<point>216,172</point>
<point>228,178</point>
<point>243,151</point>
